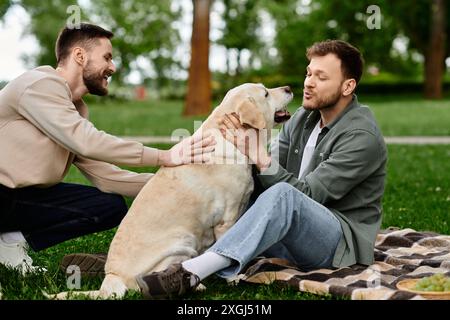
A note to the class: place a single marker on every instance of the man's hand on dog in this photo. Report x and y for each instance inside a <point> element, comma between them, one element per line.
<point>195,149</point>
<point>246,139</point>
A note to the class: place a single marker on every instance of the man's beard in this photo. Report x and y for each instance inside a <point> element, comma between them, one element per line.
<point>326,102</point>
<point>94,81</point>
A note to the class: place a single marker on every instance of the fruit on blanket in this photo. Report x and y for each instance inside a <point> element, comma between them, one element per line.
<point>436,282</point>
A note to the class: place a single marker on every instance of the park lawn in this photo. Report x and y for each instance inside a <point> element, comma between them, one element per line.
<point>397,116</point>
<point>417,196</point>
<point>417,192</point>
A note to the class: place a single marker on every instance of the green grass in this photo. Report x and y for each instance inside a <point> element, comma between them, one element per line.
<point>396,116</point>
<point>153,118</point>
<point>417,190</point>
<point>411,117</point>
<point>417,196</point>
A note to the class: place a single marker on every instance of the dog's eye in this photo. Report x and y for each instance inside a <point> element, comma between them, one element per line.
<point>267,94</point>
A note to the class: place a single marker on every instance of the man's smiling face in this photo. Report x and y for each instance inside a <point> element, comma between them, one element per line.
<point>99,67</point>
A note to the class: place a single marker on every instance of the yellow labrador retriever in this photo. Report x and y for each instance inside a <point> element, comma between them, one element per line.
<point>182,210</point>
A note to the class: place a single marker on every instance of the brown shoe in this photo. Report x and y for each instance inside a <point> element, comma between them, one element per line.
<point>90,264</point>
<point>173,281</point>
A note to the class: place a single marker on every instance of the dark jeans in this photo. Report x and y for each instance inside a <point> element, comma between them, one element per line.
<point>47,216</point>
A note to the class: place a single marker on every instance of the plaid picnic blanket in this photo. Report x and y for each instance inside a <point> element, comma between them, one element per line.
<point>399,254</point>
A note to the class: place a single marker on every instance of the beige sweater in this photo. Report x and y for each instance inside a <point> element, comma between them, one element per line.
<point>42,132</point>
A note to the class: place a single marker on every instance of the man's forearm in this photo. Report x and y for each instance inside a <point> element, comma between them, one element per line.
<point>162,157</point>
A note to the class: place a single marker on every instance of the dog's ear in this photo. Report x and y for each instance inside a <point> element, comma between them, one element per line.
<point>249,114</point>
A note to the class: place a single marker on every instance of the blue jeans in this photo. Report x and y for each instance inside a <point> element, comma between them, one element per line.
<point>47,216</point>
<point>284,223</point>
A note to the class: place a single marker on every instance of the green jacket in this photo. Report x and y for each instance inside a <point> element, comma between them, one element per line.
<point>346,174</point>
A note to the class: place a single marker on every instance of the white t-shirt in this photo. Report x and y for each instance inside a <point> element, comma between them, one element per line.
<point>309,148</point>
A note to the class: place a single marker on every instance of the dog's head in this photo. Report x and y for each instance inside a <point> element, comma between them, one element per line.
<point>258,106</point>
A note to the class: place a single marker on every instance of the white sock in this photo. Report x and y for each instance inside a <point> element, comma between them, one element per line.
<point>206,264</point>
<point>12,237</point>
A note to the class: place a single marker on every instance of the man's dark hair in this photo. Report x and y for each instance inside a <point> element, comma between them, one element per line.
<point>352,62</point>
<point>85,36</point>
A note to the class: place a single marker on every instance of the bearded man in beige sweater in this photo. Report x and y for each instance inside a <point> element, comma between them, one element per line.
<point>44,129</point>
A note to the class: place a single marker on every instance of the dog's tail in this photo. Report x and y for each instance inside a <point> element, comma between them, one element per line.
<point>112,287</point>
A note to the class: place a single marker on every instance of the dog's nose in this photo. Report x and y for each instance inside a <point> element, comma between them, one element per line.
<point>287,89</point>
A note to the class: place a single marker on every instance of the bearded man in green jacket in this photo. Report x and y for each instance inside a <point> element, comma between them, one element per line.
<point>323,181</point>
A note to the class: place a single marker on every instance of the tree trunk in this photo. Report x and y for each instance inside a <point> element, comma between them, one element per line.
<point>238,62</point>
<point>198,99</point>
<point>227,55</point>
<point>435,51</point>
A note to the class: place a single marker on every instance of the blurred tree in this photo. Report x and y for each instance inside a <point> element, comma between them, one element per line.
<point>198,99</point>
<point>240,30</point>
<point>435,50</point>
<point>295,31</point>
<point>349,21</point>
<point>46,21</point>
<point>447,30</point>
<point>4,6</point>
<point>142,30</point>
<point>424,23</point>
<point>427,25</point>
<point>300,25</point>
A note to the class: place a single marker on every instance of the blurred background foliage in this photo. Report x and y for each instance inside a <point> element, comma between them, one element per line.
<point>262,40</point>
